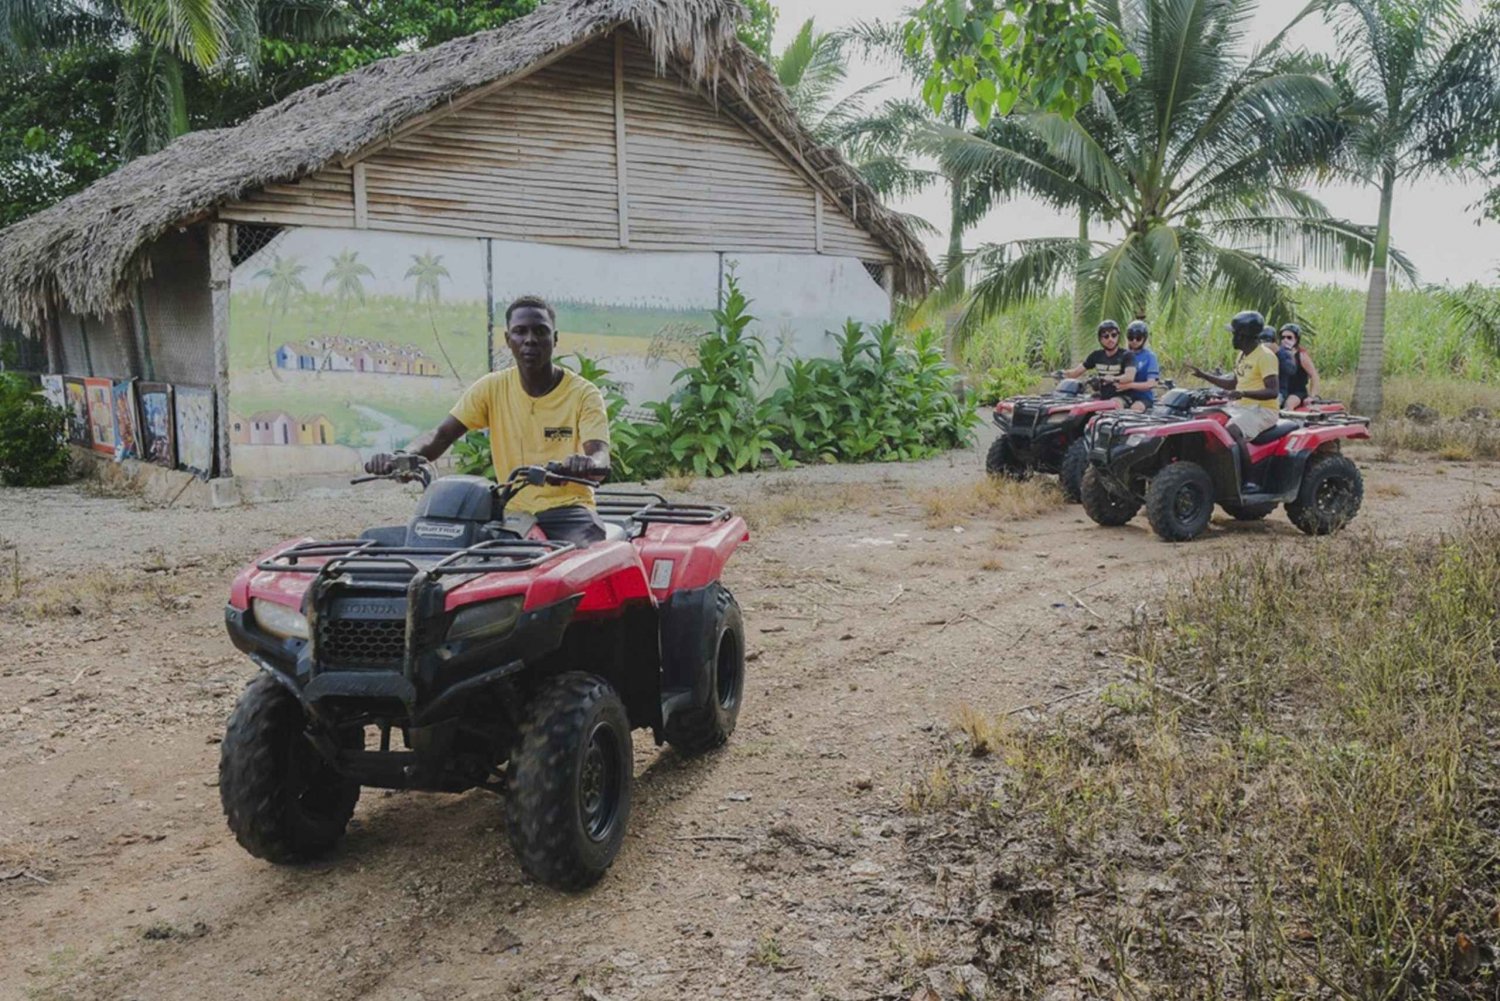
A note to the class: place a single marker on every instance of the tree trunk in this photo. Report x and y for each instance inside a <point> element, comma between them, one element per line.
<point>1081,340</point>
<point>1368,391</point>
<point>955,233</point>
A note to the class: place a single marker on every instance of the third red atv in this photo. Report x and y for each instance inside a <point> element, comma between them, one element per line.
<point>1044,433</point>
<point>1179,464</point>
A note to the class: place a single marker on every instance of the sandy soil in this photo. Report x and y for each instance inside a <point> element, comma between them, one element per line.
<point>774,868</point>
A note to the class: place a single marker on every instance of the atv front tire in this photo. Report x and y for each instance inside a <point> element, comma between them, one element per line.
<point>1102,504</point>
<point>1180,501</point>
<point>1001,461</point>
<point>1247,512</point>
<point>1070,476</point>
<point>283,801</point>
<point>703,728</point>
<point>1332,491</point>
<point>568,782</point>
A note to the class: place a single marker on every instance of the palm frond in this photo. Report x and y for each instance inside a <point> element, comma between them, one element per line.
<point>1251,281</point>
<point>1008,160</point>
<point>1070,143</point>
<point>1118,281</point>
<point>1009,274</point>
<point>1475,308</point>
<point>195,30</point>
<point>150,104</point>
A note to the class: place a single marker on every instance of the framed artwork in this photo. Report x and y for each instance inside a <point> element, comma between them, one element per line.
<point>157,442</point>
<point>193,409</point>
<point>52,390</point>
<point>76,399</point>
<point>101,399</point>
<point>126,437</point>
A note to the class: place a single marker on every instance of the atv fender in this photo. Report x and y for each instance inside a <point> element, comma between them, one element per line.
<point>687,647</point>
<point>685,557</point>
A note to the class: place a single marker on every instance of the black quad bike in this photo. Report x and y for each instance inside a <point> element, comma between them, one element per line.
<point>498,659</point>
<point>1180,459</point>
<point>1044,433</point>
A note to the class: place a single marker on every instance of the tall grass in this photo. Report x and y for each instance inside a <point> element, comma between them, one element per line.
<point>1422,338</point>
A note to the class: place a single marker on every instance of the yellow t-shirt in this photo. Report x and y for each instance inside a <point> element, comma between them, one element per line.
<point>535,430</point>
<point>1250,374</point>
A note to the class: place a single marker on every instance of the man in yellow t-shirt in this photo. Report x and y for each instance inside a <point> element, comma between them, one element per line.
<point>1255,384</point>
<point>536,412</point>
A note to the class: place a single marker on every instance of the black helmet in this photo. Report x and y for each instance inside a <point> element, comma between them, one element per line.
<point>1137,329</point>
<point>1247,324</point>
<point>1295,329</point>
<point>1107,325</point>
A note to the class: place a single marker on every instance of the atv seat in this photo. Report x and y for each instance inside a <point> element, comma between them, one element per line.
<point>1276,433</point>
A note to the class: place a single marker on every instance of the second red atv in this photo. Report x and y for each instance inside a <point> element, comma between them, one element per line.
<point>1044,433</point>
<point>499,660</point>
<point>1179,464</point>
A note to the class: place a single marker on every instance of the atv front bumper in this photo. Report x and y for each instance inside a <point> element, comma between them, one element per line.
<point>1125,462</point>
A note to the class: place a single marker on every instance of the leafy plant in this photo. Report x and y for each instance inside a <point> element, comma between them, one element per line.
<point>471,455</point>
<point>1007,380</point>
<point>32,452</point>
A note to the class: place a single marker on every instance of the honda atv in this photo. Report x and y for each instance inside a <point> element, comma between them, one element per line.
<point>1045,434</point>
<point>1179,462</point>
<point>499,660</point>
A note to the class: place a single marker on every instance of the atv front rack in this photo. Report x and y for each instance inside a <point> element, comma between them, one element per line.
<point>647,507</point>
<point>367,556</point>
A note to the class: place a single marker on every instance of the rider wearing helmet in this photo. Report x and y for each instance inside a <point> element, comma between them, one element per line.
<point>1255,386</point>
<point>1113,363</point>
<point>1138,391</point>
<point>1300,376</point>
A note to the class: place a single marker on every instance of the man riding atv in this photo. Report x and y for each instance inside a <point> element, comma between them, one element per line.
<point>536,412</point>
<point>1139,390</point>
<point>1112,364</point>
<point>1253,390</point>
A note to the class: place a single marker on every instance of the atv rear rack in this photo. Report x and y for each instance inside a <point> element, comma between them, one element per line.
<point>644,506</point>
<point>366,555</point>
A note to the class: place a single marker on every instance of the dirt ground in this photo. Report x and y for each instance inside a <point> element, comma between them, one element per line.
<point>877,606</point>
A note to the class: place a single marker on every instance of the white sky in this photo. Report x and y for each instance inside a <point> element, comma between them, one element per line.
<point>1431,222</point>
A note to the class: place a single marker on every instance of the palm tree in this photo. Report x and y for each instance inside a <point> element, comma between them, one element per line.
<point>158,39</point>
<point>428,269</point>
<point>283,284</point>
<point>1429,82</point>
<point>347,273</point>
<point>1198,166</point>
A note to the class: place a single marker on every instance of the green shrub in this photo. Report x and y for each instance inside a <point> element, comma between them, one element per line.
<point>32,449</point>
<point>1005,381</point>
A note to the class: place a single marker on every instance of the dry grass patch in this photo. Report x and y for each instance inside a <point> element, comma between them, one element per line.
<point>1388,490</point>
<point>1005,500</point>
<point>786,503</point>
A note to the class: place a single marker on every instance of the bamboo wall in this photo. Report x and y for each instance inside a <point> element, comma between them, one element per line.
<point>539,159</point>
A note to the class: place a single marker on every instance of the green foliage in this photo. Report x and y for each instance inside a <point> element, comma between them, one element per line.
<point>32,452</point>
<point>1005,381</point>
<point>471,455</point>
<point>1000,54</point>
<point>757,30</point>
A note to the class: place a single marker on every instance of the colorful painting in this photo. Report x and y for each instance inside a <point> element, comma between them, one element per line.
<point>52,390</point>
<point>101,400</point>
<point>126,434</point>
<point>193,410</point>
<point>78,411</point>
<point>157,442</point>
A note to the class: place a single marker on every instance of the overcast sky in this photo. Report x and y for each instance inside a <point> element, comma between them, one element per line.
<point>1432,222</point>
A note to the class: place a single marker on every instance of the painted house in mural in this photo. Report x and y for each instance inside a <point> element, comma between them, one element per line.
<point>621,157</point>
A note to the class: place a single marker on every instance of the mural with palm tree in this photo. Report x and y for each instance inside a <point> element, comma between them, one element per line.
<point>347,275</point>
<point>428,271</point>
<point>283,286</point>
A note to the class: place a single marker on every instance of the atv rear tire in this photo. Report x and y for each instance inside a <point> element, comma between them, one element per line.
<point>1248,512</point>
<point>1180,501</point>
<point>703,728</point>
<point>1332,491</point>
<point>1001,461</point>
<point>1104,505</point>
<point>283,801</point>
<point>568,782</point>
<point>1070,476</point>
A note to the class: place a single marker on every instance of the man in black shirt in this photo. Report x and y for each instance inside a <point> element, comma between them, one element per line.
<point>1112,363</point>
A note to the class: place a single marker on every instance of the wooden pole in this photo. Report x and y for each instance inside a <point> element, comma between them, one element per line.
<point>57,362</point>
<point>219,268</point>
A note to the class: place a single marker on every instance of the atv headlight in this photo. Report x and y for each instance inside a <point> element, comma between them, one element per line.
<point>278,620</point>
<point>490,618</point>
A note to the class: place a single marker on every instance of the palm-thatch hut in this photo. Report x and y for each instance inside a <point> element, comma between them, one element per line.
<point>621,157</point>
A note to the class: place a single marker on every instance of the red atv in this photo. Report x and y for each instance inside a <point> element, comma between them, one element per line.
<point>501,660</point>
<point>1045,434</point>
<point>1179,463</point>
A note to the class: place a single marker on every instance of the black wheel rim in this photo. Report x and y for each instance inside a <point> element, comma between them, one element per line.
<point>728,671</point>
<point>1332,496</point>
<point>1187,502</point>
<point>599,782</point>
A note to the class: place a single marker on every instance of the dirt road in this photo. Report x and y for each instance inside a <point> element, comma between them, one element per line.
<point>771,869</point>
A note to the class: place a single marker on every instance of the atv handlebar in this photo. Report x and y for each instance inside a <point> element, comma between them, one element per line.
<point>405,467</point>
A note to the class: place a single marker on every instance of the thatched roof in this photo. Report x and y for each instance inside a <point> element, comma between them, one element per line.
<point>85,252</point>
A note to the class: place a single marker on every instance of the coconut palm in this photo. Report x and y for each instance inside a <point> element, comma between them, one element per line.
<point>347,274</point>
<point>1430,81</point>
<point>158,39</point>
<point>283,286</point>
<point>428,271</point>
<point>1198,167</point>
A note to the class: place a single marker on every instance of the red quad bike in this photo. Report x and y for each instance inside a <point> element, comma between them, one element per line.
<point>1178,462</point>
<point>503,661</point>
<point>1045,434</point>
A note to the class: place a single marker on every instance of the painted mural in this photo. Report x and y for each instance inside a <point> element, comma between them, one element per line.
<point>78,411</point>
<point>347,342</point>
<point>101,404</point>
<point>126,439</point>
<point>193,413</point>
<point>158,443</point>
